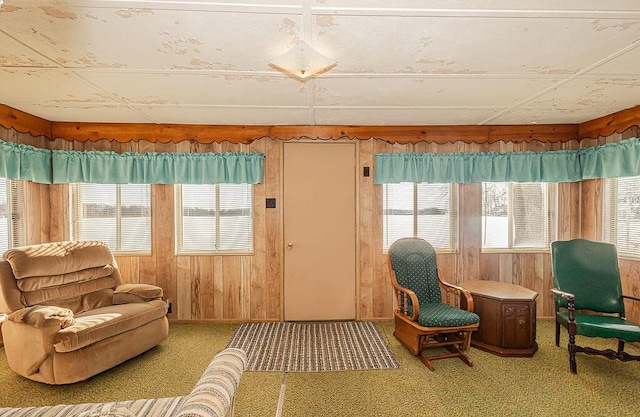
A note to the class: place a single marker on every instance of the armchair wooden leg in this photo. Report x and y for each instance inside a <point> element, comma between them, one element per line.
<point>557,333</point>
<point>572,345</point>
<point>572,353</point>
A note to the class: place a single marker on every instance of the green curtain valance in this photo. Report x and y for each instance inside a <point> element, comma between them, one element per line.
<point>24,162</point>
<point>620,159</point>
<point>464,168</point>
<point>157,168</point>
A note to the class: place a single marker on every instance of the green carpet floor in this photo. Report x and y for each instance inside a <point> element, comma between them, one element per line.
<point>494,386</point>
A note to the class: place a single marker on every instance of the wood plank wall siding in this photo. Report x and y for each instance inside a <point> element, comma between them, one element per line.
<point>249,288</point>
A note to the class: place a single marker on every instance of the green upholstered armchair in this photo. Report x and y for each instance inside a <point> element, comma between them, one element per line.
<point>430,313</point>
<point>588,297</point>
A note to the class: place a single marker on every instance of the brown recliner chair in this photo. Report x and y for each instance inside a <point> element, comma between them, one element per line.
<point>70,316</point>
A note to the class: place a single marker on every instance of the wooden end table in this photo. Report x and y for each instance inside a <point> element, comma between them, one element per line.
<point>507,318</point>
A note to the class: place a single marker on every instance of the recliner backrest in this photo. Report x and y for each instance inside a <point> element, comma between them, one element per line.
<point>80,275</point>
<point>414,262</point>
<point>590,271</point>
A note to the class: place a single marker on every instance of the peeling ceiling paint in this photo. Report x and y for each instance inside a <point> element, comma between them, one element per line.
<point>58,14</point>
<point>448,62</point>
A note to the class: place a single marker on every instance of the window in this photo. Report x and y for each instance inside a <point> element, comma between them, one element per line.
<point>517,216</point>
<point>214,218</point>
<point>421,210</point>
<point>11,209</point>
<point>118,214</point>
<point>622,214</point>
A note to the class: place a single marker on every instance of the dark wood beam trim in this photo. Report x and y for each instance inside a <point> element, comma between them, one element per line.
<point>614,123</point>
<point>125,132</point>
<point>22,122</point>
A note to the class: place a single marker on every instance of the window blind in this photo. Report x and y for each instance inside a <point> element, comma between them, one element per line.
<point>421,210</point>
<point>622,214</point>
<point>517,215</point>
<point>214,218</point>
<point>117,214</point>
<point>11,212</point>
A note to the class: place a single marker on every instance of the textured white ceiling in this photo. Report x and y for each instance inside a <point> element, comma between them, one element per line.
<point>402,62</point>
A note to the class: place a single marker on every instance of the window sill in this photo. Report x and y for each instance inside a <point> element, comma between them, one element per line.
<point>518,250</point>
<point>210,253</point>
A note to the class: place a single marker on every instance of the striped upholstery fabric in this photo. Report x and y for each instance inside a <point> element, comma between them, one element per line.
<point>213,396</point>
<point>214,393</point>
<point>139,408</point>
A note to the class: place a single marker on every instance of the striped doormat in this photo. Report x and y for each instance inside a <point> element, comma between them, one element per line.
<point>313,347</point>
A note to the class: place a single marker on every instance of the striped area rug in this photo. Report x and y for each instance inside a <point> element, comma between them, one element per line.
<point>313,347</point>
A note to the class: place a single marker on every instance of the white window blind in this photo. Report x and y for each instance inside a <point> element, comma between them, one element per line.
<point>622,214</point>
<point>11,214</point>
<point>517,216</point>
<point>421,210</point>
<point>118,214</point>
<point>214,218</point>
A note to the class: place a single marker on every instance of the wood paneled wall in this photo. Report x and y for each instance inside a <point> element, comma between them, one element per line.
<point>249,288</point>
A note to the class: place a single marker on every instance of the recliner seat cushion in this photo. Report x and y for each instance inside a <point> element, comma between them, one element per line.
<point>445,315</point>
<point>102,323</point>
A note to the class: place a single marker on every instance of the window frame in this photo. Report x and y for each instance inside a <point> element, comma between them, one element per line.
<point>551,216</point>
<point>178,216</point>
<point>610,215</point>
<point>75,202</point>
<point>454,217</point>
<point>14,192</point>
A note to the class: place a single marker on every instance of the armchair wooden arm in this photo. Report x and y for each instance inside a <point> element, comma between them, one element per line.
<point>631,297</point>
<point>456,296</point>
<point>405,298</point>
<point>563,294</point>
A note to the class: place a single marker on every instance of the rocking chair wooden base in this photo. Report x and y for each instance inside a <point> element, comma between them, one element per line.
<point>417,338</point>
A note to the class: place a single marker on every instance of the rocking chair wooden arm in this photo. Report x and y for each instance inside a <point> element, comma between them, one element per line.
<point>403,296</point>
<point>456,296</point>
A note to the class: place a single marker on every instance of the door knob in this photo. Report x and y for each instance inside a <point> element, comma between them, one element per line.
<point>289,245</point>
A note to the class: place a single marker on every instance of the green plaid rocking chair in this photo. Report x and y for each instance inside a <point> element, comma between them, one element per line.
<point>430,313</point>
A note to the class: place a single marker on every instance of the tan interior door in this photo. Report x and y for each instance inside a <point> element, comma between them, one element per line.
<point>319,231</point>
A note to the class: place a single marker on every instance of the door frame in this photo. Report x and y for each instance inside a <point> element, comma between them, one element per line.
<point>357,175</point>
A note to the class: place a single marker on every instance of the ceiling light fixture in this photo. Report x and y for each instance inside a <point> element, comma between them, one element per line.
<point>302,62</point>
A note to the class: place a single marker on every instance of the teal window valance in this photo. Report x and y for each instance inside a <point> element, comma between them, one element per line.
<point>157,168</point>
<point>24,162</point>
<point>613,160</point>
<point>607,161</point>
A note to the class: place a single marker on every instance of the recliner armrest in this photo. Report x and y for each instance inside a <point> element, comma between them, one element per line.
<point>42,323</point>
<point>43,316</point>
<point>136,293</point>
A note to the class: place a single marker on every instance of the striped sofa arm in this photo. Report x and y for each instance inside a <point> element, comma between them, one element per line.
<point>214,393</point>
